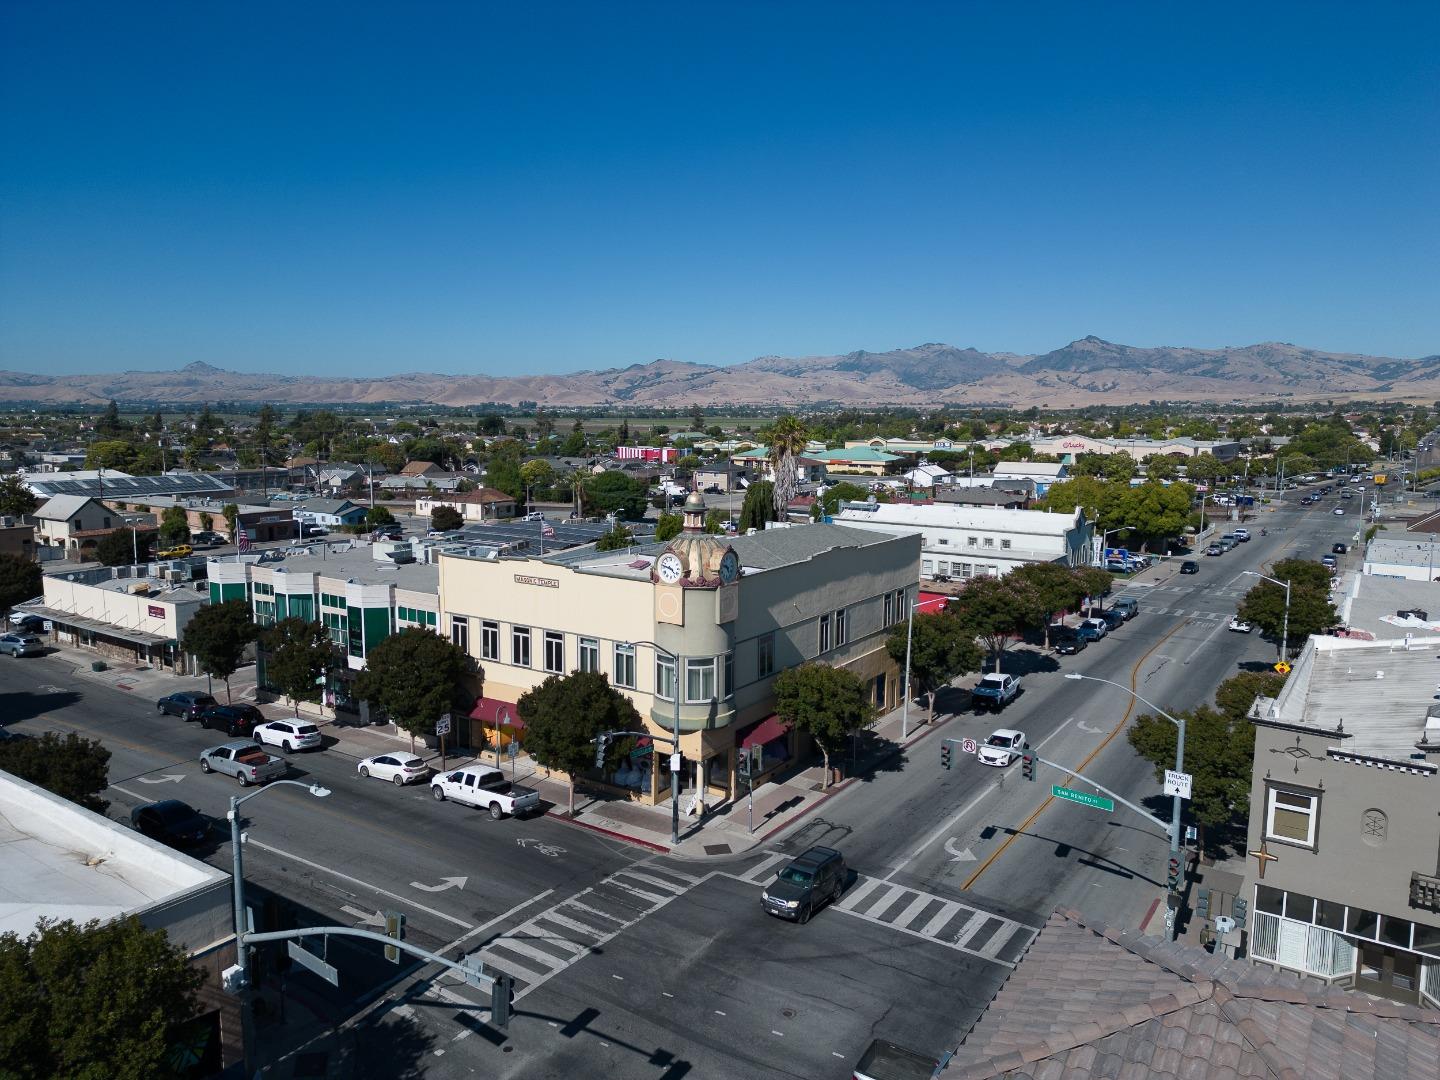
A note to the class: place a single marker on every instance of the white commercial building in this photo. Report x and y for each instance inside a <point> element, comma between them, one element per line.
<point>1416,557</point>
<point>974,541</point>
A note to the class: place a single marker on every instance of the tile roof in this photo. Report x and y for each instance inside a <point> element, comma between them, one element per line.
<point>1089,1001</point>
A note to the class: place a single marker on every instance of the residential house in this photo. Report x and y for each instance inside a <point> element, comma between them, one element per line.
<point>483,504</point>
<point>331,513</point>
<point>1040,473</point>
<point>722,478</point>
<point>74,524</point>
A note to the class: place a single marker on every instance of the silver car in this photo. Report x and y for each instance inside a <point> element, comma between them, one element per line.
<point>21,645</point>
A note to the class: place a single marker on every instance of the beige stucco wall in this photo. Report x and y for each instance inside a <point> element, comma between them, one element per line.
<point>125,609</point>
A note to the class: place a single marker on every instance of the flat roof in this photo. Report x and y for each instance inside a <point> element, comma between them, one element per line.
<point>949,515</point>
<point>1410,551</point>
<point>1371,603</point>
<point>354,560</point>
<point>60,861</point>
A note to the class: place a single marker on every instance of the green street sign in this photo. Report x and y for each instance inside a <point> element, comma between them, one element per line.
<point>1084,798</point>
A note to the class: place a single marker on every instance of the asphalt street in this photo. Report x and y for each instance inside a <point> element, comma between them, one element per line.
<point>634,964</point>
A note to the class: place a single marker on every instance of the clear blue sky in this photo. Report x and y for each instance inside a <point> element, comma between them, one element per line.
<point>482,187</point>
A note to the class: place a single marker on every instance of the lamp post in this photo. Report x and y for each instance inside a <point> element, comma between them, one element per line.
<point>909,634</point>
<point>1179,767</point>
<point>1285,623</point>
<point>237,872</point>
<point>1100,554</point>
<point>675,731</point>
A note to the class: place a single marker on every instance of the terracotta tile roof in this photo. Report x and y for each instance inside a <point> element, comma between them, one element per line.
<point>1090,1001</point>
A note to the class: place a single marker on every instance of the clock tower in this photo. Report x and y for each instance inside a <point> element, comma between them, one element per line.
<point>695,559</point>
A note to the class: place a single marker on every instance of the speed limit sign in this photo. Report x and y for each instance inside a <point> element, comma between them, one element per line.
<point>969,746</point>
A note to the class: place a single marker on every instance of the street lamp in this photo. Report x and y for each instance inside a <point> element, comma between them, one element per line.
<point>1285,624</point>
<point>1179,766</point>
<point>674,772</point>
<point>1099,554</point>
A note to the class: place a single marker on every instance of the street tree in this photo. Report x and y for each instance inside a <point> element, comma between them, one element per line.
<point>1102,501</point>
<point>1157,511</point>
<point>68,765</point>
<point>174,526</point>
<point>231,513</point>
<point>121,547</point>
<point>787,438</point>
<point>298,655</point>
<point>1204,468</point>
<point>100,1000</point>
<point>997,611</point>
<point>1311,611</point>
<point>613,492</point>
<point>1161,467</point>
<point>1056,589</point>
<point>415,676</point>
<point>827,703</point>
<point>563,716</point>
<point>758,509</point>
<point>668,527</point>
<point>377,516</point>
<point>446,519</point>
<point>939,650</point>
<point>537,472</point>
<point>1094,582</point>
<point>20,579</point>
<point>844,491</point>
<point>111,454</point>
<point>217,636</point>
<point>714,523</point>
<point>16,500</point>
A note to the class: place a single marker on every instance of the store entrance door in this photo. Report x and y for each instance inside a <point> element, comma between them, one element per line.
<point>1388,973</point>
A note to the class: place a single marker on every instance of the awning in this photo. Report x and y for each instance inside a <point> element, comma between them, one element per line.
<point>95,626</point>
<point>931,602</point>
<point>493,712</point>
<point>767,730</point>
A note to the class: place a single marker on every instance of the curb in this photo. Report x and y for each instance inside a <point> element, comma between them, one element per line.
<point>625,837</point>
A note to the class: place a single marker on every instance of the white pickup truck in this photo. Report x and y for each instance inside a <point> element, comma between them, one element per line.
<point>245,761</point>
<point>485,789</point>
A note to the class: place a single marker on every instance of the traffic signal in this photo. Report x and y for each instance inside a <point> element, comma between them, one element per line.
<point>1027,766</point>
<point>502,991</point>
<point>1172,878</point>
<point>945,753</point>
<point>394,928</point>
<point>602,743</point>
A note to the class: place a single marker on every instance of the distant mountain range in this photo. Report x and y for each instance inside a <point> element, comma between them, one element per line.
<point>1085,372</point>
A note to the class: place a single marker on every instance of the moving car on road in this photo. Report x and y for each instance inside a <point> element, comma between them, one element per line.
<point>289,735</point>
<point>1002,747</point>
<point>1339,511</point>
<point>485,789</point>
<point>1189,566</point>
<point>815,878</point>
<point>245,761</point>
<point>18,645</point>
<point>397,768</point>
<point>234,720</point>
<point>994,691</point>
<point>1240,626</point>
<point>171,822</point>
<point>186,704</point>
<point>1127,606</point>
<point>1243,535</point>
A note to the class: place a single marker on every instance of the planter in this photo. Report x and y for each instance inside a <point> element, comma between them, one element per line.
<point>98,665</point>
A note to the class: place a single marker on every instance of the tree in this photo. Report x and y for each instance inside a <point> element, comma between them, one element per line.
<point>1056,589</point>
<point>1157,511</point>
<point>20,580</point>
<point>377,516</point>
<point>565,713</point>
<point>69,765</point>
<point>714,524</point>
<point>612,492</point>
<point>174,526</point>
<point>415,676</point>
<point>536,473</point>
<point>446,519</point>
<point>98,1000</point>
<point>841,492</point>
<point>668,527</point>
<point>1204,468</point>
<point>15,498</point>
<point>1311,611</point>
<point>759,506</point>
<point>110,422</point>
<point>616,538</point>
<point>1103,502</point>
<point>1094,582</point>
<point>298,655</point>
<point>787,438</point>
<point>110,454</point>
<point>218,635</point>
<point>1161,467</point>
<point>827,703</point>
<point>939,651</point>
<point>231,513</point>
<point>996,610</point>
<point>119,548</point>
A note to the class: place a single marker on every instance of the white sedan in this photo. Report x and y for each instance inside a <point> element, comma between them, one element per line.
<point>1338,511</point>
<point>1002,747</point>
<point>289,735</point>
<point>1240,626</point>
<point>399,768</point>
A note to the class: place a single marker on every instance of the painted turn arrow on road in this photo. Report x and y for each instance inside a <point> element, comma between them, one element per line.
<point>168,778</point>
<point>445,883</point>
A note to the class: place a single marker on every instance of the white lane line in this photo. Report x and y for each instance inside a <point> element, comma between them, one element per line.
<point>514,969</point>
<point>893,893</point>
<point>409,902</point>
<point>754,874</point>
<point>564,944</point>
<point>620,977</point>
<point>513,944</point>
<point>133,795</point>
<point>979,919</point>
<point>654,898</point>
<point>1219,625</point>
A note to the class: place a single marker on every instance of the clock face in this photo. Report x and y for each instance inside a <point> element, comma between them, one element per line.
<point>668,568</point>
<point>729,566</point>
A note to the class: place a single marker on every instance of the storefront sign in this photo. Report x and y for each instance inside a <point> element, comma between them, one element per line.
<point>543,582</point>
<point>1074,444</point>
<point>155,611</point>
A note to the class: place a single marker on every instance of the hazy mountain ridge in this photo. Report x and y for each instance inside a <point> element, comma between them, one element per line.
<point>1088,371</point>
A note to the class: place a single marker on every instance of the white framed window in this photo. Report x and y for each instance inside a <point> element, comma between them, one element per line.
<point>824,633</point>
<point>624,666</point>
<point>889,609</point>
<point>1291,815</point>
<point>554,651</point>
<point>489,640</point>
<point>842,627</point>
<point>972,541</point>
<point>1004,543</point>
<point>989,541</point>
<point>944,542</point>
<point>460,633</point>
<point>665,677</point>
<point>765,655</point>
<point>700,680</point>
<point>520,646</point>
<point>589,654</point>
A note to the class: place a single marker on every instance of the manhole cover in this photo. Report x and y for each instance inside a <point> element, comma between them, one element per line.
<point>506,1049</point>
<point>787,1013</point>
<point>311,1063</point>
<point>717,849</point>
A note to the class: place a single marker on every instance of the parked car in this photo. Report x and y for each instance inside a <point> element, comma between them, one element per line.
<point>185,704</point>
<point>485,789</point>
<point>398,768</point>
<point>1339,549</point>
<point>1067,642</point>
<point>1092,629</point>
<point>805,884</point>
<point>1330,561</point>
<point>994,691</point>
<point>245,761</point>
<point>18,645</point>
<point>289,735</point>
<point>179,551</point>
<point>234,720</point>
<point>388,532</point>
<point>171,822</point>
<point>534,515</point>
<point>1243,535</point>
<point>206,539</point>
<point>1240,626</point>
<point>1002,748</point>
<point>1189,566</point>
<point>1127,606</point>
<point>1214,549</point>
<point>1229,539</point>
<point>27,621</point>
<point>1113,619</point>
<point>314,530</point>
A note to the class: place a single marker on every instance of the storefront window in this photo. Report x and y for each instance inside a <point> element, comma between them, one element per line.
<point>1362,923</point>
<point>1271,901</point>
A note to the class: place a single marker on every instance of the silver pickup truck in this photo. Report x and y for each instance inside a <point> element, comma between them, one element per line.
<point>245,761</point>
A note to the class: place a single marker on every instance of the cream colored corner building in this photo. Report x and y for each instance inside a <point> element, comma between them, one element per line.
<point>735,611</point>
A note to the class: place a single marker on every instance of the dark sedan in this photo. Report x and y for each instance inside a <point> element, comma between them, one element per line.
<point>171,822</point>
<point>234,720</point>
<point>1068,643</point>
<point>186,704</point>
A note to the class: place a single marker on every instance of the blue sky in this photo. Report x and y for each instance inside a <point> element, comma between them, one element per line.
<point>329,188</point>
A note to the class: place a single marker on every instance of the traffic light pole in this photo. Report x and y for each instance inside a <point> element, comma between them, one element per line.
<point>1171,831</point>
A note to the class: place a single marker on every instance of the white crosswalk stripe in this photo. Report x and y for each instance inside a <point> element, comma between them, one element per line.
<point>764,869</point>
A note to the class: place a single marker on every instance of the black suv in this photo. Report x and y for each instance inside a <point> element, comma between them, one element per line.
<point>234,720</point>
<point>171,822</point>
<point>816,877</point>
<point>186,704</point>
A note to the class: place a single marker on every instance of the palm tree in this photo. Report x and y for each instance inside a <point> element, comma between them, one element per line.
<point>787,442</point>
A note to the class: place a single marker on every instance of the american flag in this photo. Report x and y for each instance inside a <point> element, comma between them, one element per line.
<point>547,531</point>
<point>242,540</point>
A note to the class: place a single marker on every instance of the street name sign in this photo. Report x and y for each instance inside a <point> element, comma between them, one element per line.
<point>1084,798</point>
<point>1177,783</point>
<point>306,959</point>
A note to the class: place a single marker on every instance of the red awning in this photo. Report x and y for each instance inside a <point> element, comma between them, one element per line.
<point>767,730</point>
<point>931,602</point>
<point>493,711</point>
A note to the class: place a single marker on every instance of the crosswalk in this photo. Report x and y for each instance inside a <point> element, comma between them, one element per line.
<point>955,925</point>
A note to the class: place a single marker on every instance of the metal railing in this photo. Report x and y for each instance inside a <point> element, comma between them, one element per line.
<point>1301,946</point>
